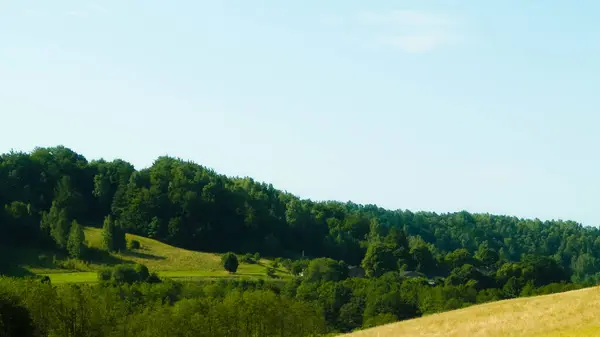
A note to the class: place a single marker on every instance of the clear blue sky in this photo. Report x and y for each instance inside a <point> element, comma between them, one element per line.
<point>488,106</point>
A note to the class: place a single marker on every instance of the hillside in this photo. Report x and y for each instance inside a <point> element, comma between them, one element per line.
<point>166,260</point>
<point>571,314</point>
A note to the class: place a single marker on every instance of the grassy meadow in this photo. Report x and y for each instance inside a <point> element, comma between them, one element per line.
<point>167,261</point>
<point>570,314</point>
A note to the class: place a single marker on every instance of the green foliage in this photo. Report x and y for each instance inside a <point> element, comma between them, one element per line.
<point>417,263</point>
<point>298,267</point>
<point>15,319</point>
<point>56,223</point>
<point>113,237</point>
<point>133,244</point>
<point>270,272</point>
<point>220,309</point>
<point>230,262</point>
<point>76,242</point>
<point>127,274</point>
<point>193,207</point>
<point>381,258</point>
<point>246,258</point>
<point>326,269</point>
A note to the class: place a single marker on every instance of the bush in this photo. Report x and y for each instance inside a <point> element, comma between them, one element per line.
<point>247,258</point>
<point>127,274</point>
<point>133,244</point>
<point>230,262</point>
<point>271,273</point>
<point>257,257</point>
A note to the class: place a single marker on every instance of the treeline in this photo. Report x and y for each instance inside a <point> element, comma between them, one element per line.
<point>191,206</point>
<point>128,303</point>
<point>30,308</point>
<point>350,303</point>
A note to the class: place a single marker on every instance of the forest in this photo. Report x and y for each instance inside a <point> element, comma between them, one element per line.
<point>414,263</point>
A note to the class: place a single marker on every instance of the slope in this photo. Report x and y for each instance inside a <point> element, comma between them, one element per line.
<point>166,260</point>
<point>572,314</point>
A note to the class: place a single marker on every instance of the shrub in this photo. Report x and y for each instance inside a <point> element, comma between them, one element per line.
<point>257,257</point>
<point>247,258</point>
<point>127,274</point>
<point>133,244</point>
<point>271,273</point>
<point>230,262</point>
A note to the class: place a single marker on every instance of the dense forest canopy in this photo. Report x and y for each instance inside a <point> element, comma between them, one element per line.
<point>191,206</point>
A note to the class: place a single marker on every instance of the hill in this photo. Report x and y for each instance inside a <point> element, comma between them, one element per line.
<point>572,314</point>
<point>166,260</point>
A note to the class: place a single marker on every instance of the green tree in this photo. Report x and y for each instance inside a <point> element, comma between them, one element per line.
<point>486,256</point>
<point>108,234</point>
<point>230,262</point>
<point>76,242</point>
<point>458,258</point>
<point>56,223</point>
<point>380,259</point>
<point>113,237</point>
<point>326,269</point>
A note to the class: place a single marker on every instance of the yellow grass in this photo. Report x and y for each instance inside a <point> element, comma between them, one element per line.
<point>571,314</point>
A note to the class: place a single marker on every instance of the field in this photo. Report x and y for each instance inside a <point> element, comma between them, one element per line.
<point>167,261</point>
<point>571,314</point>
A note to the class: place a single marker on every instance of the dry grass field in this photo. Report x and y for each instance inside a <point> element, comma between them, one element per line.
<point>570,314</point>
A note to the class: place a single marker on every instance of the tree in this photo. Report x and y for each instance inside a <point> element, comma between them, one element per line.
<point>56,223</point>
<point>113,238</point>
<point>380,259</point>
<point>458,258</point>
<point>326,269</point>
<point>230,262</point>
<point>486,256</point>
<point>108,233</point>
<point>15,320</point>
<point>76,242</point>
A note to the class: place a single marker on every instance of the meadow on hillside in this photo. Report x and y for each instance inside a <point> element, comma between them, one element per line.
<point>167,261</point>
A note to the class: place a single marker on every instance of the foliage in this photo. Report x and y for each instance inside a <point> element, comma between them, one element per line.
<point>127,274</point>
<point>326,269</point>
<point>133,244</point>
<point>76,241</point>
<point>230,262</point>
<point>166,309</point>
<point>416,263</point>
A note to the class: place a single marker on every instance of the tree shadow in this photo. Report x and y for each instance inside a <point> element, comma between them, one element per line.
<point>17,271</point>
<point>141,255</point>
<point>99,256</point>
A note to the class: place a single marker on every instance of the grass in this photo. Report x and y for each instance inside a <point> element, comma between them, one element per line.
<point>167,261</point>
<point>569,314</point>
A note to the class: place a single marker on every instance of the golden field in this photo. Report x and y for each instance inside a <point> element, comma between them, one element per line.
<point>570,314</point>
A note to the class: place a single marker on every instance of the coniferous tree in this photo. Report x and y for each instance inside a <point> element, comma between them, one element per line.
<point>76,242</point>
<point>56,223</point>
<point>108,231</point>
<point>113,237</point>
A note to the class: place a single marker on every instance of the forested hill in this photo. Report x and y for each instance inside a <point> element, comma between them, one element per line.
<point>191,206</point>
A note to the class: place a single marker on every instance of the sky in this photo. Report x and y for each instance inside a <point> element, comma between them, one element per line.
<point>484,106</point>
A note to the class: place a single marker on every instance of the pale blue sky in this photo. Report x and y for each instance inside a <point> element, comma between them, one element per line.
<point>488,106</point>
